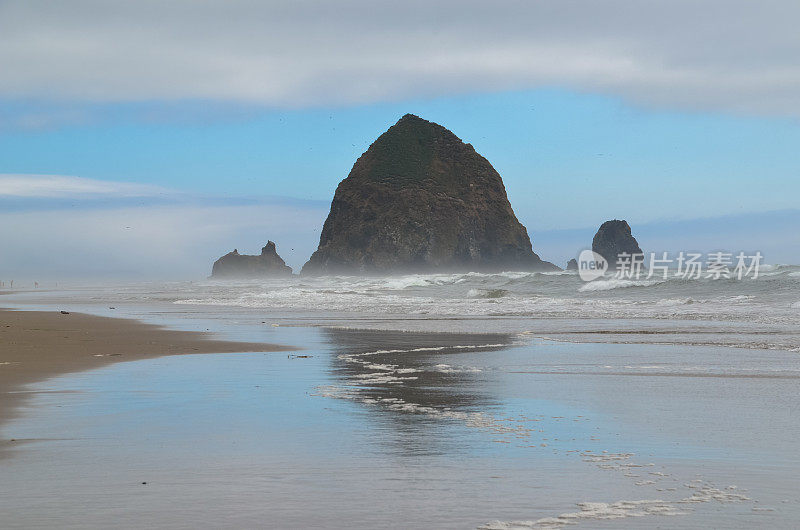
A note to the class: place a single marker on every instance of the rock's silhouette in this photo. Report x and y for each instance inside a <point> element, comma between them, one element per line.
<point>421,200</point>
<point>235,265</point>
<point>614,238</point>
<point>572,265</point>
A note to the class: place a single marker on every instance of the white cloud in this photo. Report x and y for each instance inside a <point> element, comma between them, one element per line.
<point>60,186</point>
<point>733,55</point>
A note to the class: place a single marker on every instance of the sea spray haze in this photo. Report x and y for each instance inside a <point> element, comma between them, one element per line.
<point>762,311</point>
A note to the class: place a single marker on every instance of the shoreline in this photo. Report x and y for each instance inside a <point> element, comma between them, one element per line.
<point>43,344</point>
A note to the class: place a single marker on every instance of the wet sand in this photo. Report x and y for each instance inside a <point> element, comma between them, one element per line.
<point>435,430</point>
<point>37,345</point>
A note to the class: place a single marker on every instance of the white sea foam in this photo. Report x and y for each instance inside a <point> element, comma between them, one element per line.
<point>592,510</point>
<point>447,369</point>
<point>616,283</point>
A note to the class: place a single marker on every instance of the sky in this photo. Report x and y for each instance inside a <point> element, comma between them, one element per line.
<point>145,139</point>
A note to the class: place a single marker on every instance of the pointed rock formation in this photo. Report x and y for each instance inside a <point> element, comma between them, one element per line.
<point>572,265</point>
<point>235,265</point>
<point>421,200</point>
<point>612,239</point>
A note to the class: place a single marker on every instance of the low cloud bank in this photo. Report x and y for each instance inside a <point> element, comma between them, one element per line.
<point>181,241</point>
<point>169,241</point>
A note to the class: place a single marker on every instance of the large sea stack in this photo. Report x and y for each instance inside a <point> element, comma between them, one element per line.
<point>614,238</point>
<point>421,200</point>
<point>235,265</point>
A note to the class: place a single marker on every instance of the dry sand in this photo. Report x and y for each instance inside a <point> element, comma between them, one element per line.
<point>36,345</point>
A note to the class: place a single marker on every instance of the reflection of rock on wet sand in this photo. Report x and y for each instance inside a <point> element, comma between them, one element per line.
<point>418,368</point>
<point>412,378</point>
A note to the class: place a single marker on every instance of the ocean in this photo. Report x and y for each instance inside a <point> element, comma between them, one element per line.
<point>493,401</point>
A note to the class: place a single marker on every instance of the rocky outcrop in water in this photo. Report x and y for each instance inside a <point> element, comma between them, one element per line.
<point>572,265</point>
<point>235,265</point>
<point>614,238</point>
<point>421,200</point>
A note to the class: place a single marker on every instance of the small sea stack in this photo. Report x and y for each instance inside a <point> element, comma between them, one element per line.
<point>266,265</point>
<point>614,238</point>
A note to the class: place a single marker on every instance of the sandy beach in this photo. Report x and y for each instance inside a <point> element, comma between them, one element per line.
<point>38,345</point>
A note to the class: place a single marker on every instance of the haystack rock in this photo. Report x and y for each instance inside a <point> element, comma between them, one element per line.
<point>614,238</point>
<point>421,200</point>
<point>572,265</point>
<point>235,265</point>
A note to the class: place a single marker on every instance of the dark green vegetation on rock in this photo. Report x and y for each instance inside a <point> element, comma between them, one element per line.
<point>614,238</point>
<point>235,265</point>
<point>421,200</point>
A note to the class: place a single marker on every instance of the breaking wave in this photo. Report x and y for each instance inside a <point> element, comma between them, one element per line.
<point>774,294</point>
<point>764,306</point>
<point>616,283</point>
